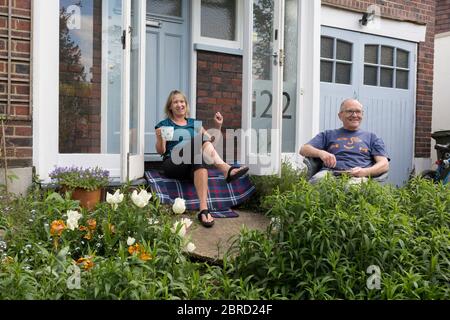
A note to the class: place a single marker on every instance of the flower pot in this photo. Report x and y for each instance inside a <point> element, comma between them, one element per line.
<point>88,199</point>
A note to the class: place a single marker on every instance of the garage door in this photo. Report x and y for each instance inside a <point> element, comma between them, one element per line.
<point>380,72</point>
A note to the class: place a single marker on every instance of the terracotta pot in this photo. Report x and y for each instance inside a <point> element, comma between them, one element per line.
<point>88,199</point>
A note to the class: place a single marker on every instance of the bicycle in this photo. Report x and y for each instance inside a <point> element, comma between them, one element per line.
<point>442,147</point>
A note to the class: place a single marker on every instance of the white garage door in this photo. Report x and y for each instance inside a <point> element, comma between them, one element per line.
<point>380,72</point>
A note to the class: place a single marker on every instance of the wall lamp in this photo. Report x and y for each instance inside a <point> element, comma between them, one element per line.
<point>366,18</point>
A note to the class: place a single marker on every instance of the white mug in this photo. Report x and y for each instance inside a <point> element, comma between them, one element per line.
<point>167,133</point>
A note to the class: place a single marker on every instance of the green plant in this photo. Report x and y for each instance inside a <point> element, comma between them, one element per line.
<point>74,177</point>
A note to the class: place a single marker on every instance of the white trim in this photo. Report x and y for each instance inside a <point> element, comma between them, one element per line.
<point>349,20</point>
<point>309,97</point>
<point>192,95</point>
<point>247,79</point>
<point>45,78</point>
<point>442,35</point>
<point>211,48</point>
<point>196,27</point>
<point>125,107</point>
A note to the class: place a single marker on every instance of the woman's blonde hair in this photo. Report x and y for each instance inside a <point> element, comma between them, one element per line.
<point>169,103</point>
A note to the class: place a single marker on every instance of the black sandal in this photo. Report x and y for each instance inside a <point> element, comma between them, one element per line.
<point>237,175</point>
<point>207,224</point>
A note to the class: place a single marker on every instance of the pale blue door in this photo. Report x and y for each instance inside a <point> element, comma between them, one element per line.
<point>388,95</point>
<point>380,73</point>
<point>167,63</point>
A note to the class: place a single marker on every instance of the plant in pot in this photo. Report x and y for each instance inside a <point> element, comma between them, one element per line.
<point>85,184</point>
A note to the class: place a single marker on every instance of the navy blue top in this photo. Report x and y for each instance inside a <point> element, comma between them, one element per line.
<point>351,148</point>
<point>181,133</point>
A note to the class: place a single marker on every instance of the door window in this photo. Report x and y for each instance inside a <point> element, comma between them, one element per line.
<point>172,8</point>
<point>386,66</point>
<point>219,19</point>
<point>336,60</point>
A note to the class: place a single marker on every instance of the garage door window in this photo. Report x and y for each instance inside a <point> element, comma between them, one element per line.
<point>386,67</point>
<point>336,61</point>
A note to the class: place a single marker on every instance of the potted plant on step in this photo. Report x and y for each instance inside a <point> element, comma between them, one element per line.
<point>85,184</point>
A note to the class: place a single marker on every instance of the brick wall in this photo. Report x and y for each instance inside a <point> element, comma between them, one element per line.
<point>442,16</point>
<point>417,11</point>
<point>15,109</point>
<point>219,88</point>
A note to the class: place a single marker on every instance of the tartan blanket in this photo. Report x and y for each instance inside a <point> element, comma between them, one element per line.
<point>221,195</point>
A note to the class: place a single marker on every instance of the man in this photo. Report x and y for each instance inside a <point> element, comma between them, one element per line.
<point>359,153</point>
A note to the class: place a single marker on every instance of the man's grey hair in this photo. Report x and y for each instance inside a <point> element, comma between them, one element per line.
<point>346,101</point>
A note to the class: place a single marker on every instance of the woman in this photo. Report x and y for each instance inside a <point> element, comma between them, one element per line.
<point>188,131</point>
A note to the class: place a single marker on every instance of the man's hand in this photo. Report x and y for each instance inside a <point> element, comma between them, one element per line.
<point>328,159</point>
<point>218,120</point>
<point>359,172</point>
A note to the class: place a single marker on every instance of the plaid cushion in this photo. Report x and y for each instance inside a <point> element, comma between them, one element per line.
<point>221,195</point>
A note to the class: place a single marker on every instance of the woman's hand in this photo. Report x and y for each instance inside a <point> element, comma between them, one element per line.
<point>158,133</point>
<point>218,120</point>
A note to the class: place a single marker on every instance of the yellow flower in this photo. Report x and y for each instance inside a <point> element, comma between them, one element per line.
<point>57,227</point>
<point>145,256</point>
<point>134,249</point>
<point>87,263</point>
<point>92,224</point>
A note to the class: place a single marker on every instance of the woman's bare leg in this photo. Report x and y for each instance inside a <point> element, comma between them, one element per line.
<point>201,186</point>
<point>212,157</point>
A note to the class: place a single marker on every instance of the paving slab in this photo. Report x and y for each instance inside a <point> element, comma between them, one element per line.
<point>212,243</point>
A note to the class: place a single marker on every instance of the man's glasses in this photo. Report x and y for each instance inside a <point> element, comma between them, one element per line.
<point>351,112</point>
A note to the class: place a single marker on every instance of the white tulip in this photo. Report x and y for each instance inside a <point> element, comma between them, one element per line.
<point>141,199</point>
<point>187,222</point>
<point>179,206</point>
<point>190,247</point>
<point>72,219</point>
<point>130,241</point>
<point>115,199</point>
<point>181,231</point>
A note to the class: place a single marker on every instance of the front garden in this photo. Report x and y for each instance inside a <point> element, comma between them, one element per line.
<point>330,241</point>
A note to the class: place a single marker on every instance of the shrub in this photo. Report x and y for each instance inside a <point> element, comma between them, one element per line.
<point>324,238</point>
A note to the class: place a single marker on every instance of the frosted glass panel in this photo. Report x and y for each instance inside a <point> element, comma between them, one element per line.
<point>371,54</point>
<point>326,71</point>
<point>327,47</point>
<point>402,79</point>
<point>219,19</point>
<point>343,73</point>
<point>164,7</point>
<point>387,56</point>
<point>290,76</point>
<point>263,21</point>
<point>370,76</point>
<point>387,78</point>
<point>344,51</point>
<point>402,59</point>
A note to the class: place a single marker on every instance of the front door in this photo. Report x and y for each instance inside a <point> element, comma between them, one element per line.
<point>264,70</point>
<point>100,102</point>
<point>167,65</point>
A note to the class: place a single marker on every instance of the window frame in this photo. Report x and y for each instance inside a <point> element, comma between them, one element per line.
<point>335,61</point>
<point>380,66</point>
<point>198,39</point>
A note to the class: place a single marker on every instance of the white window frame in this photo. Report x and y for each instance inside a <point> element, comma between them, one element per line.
<point>197,25</point>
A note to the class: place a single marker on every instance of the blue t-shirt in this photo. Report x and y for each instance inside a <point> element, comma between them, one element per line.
<point>351,148</point>
<point>181,133</point>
